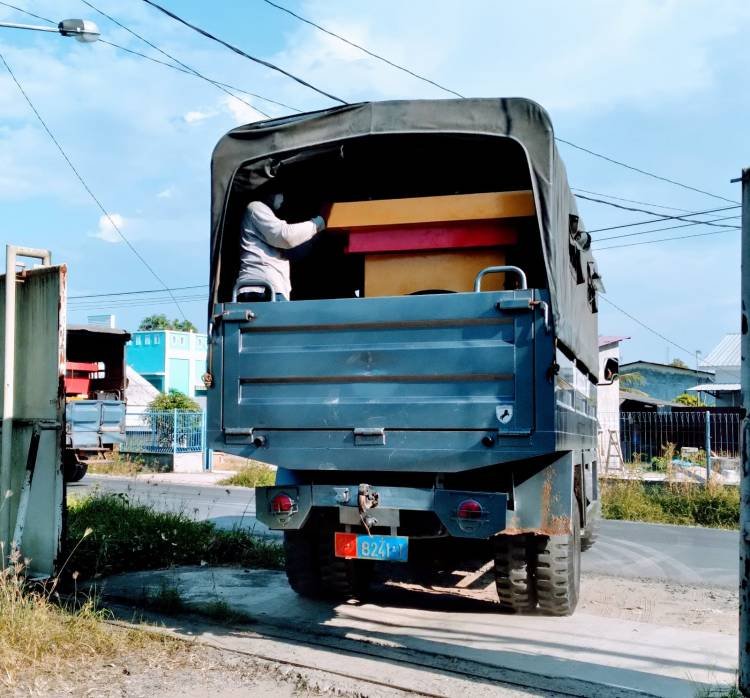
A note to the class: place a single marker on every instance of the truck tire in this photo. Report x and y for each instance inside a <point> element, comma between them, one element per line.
<point>340,578</point>
<point>301,562</point>
<point>558,572</point>
<point>591,531</point>
<point>74,469</point>
<point>514,574</point>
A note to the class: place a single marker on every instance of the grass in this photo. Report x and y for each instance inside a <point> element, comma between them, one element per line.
<point>680,503</point>
<point>254,474</point>
<point>127,536</point>
<point>123,464</point>
<point>42,640</point>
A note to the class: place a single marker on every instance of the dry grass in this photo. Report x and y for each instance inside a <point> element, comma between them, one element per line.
<point>43,640</point>
<point>253,474</point>
<point>122,464</point>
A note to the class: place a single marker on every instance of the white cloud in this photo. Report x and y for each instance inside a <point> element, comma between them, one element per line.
<point>241,112</point>
<point>167,193</point>
<point>195,117</point>
<point>107,231</point>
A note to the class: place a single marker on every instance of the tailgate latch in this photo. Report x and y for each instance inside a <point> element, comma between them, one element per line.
<point>369,436</point>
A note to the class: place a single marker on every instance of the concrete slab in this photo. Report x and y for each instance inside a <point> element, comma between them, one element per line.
<point>640,657</point>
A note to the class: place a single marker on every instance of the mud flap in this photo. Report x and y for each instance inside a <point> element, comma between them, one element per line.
<point>544,499</point>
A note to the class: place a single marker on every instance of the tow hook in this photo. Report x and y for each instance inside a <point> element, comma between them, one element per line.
<point>367,499</point>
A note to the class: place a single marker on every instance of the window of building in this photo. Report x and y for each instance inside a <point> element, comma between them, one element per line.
<point>147,340</point>
<point>156,339</point>
<point>138,341</point>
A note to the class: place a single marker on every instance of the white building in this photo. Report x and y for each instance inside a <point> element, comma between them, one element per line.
<point>724,360</point>
<point>608,407</point>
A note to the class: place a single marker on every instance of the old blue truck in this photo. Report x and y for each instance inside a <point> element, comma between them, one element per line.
<point>414,416</point>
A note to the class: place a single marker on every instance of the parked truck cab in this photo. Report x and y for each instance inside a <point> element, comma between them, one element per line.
<point>429,393</point>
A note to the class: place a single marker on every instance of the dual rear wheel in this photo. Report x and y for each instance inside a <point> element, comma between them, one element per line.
<point>543,571</point>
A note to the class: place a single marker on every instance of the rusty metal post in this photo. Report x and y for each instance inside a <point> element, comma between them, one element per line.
<point>744,658</point>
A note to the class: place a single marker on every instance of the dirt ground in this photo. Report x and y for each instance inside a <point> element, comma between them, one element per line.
<point>192,670</point>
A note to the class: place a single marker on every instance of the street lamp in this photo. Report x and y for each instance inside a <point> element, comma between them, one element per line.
<point>82,30</point>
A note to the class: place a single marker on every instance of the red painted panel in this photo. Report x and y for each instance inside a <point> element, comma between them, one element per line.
<point>440,236</point>
<point>86,366</point>
<point>346,544</point>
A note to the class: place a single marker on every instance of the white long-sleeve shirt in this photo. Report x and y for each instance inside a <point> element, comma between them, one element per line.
<point>263,240</point>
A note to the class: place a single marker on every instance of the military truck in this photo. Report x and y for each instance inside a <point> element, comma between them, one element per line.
<point>429,393</point>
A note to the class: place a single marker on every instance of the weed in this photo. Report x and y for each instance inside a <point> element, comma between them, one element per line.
<point>129,536</point>
<point>683,503</point>
<point>254,474</point>
<point>167,599</point>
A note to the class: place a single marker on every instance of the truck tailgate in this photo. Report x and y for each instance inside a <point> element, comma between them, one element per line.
<point>432,362</point>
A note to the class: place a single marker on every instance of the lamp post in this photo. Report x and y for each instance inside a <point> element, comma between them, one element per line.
<point>82,30</point>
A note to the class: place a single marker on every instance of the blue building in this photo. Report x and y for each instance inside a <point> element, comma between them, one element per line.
<point>170,360</point>
<point>665,381</point>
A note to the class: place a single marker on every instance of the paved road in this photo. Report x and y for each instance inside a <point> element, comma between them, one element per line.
<point>628,550</point>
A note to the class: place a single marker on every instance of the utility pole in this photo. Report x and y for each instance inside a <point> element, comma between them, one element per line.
<point>744,658</point>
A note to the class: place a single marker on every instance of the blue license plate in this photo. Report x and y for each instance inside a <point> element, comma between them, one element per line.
<point>362,547</point>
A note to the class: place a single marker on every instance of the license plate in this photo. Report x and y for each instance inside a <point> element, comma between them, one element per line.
<point>362,547</point>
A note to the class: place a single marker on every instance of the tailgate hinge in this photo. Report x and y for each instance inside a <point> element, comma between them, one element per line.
<point>369,436</point>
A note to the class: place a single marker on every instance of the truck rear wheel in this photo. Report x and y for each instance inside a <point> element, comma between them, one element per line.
<point>314,571</point>
<point>301,562</point>
<point>514,574</point>
<point>558,572</point>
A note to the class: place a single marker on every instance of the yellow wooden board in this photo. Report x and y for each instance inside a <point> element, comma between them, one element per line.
<point>454,270</point>
<point>431,209</point>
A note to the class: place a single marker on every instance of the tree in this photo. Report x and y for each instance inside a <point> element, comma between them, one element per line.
<point>173,400</point>
<point>629,380</point>
<point>161,322</point>
<point>679,363</point>
<point>690,400</point>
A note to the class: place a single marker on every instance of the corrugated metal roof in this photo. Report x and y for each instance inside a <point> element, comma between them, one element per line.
<point>725,353</point>
<point>604,340</point>
<point>716,387</point>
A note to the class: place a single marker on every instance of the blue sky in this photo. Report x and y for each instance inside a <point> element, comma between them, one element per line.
<point>661,85</point>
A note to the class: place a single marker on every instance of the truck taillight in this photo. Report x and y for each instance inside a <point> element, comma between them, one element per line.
<point>469,509</point>
<point>282,504</point>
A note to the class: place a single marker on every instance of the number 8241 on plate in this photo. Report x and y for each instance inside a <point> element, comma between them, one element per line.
<point>362,547</point>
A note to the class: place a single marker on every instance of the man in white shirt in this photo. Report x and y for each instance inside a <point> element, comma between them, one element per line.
<point>263,240</point>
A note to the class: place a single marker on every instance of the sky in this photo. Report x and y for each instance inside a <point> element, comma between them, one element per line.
<point>660,85</point>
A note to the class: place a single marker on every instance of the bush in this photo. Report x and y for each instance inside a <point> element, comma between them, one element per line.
<point>173,400</point>
<point>134,537</point>
<point>684,503</point>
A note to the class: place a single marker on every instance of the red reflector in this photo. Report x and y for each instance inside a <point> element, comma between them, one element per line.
<point>282,504</point>
<point>345,544</point>
<point>469,509</point>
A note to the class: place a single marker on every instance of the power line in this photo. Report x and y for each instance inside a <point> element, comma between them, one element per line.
<point>134,293</point>
<point>678,237</point>
<point>212,80</point>
<point>643,172</point>
<point>364,50</point>
<point>172,58</point>
<point>84,184</point>
<point>631,201</point>
<point>660,216</point>
<point>26,12</point>
<point>645,326</point>
<point>457,94</point>
<point>669,227</point>
<point>242,53</point>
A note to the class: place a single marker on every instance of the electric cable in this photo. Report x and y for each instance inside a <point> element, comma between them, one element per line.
<point>678,237</point>
<point>645,326</point>
<point>365,50</point>
<point>641,171</point>
<point>172,58</point>
<point>659,216</point>
<point>26,12</point>
<point>139,292</point>
<point>631,201</point>
<point>242,53</point>
<point>669,227</point>
<point>84,183</point>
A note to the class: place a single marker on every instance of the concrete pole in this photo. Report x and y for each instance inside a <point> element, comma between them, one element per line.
<point>744,658</point>
<point>708,448</point>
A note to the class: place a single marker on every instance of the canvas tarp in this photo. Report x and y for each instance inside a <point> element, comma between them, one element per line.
<point>252,150</point>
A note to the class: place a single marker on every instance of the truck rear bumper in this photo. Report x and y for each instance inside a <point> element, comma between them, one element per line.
<point>483,518</point>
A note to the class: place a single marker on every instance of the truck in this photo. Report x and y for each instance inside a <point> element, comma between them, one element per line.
<point>95,399</point>
<point>429,394</point>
